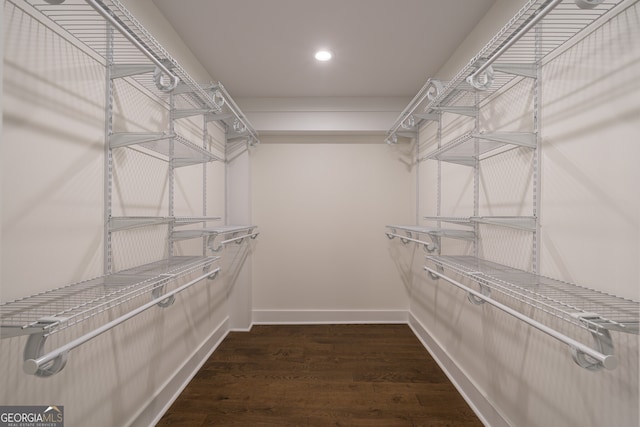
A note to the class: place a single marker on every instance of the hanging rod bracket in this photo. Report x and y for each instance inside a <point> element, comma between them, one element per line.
<point>602,342</point>
<point>481,80</point>
<point>484,290</point>
<point>34,348</point>
<point>159,290</point>
<point>159,78</point>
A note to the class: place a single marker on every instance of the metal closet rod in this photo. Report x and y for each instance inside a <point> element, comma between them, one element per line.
<point>607,360</point>
<point>31,366</point>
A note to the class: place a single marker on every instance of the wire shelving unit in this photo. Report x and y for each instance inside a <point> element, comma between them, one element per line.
<point>538,33</point>
<point>111,35</point>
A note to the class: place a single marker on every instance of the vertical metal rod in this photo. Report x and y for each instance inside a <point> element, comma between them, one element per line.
<point>226,182</point>
<point>476,181</point>
<point>417,163</point>
<point>537,152</point>
<point>439,183</point>
<point>205,135</point>
<point>108,154</point>
<point>172,109</point>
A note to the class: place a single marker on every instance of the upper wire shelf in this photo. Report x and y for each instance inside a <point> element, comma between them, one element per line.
<point>535,33</point>
<point>57,309</point>
<point>137,54</point>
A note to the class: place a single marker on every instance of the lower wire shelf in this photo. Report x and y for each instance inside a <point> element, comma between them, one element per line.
<point>233,233</point>
<point>42,315</point>
<point>589,309</point>
<point>413,232</point>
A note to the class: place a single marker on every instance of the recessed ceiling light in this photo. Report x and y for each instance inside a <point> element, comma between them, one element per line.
<point>323,55</point>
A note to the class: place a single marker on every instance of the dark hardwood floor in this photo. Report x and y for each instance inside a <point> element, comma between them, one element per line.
<point>321,375</point>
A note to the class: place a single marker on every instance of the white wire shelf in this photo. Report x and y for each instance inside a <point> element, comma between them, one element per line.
<point>527,223</point>
<point>539,30</point>
<point>185,152</point>
<point>466,221</point>
<point>412,233</point>
<point>58,309</point>
<point>417,230</point>
<point>583,307</point>
<point>188,220</point>
<point>462,150</point>
<point>118,223</point>
<point>138,55</point>
<point>229,233</point>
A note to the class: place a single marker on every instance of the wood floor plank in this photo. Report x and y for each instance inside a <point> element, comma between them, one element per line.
<point>320,375</point>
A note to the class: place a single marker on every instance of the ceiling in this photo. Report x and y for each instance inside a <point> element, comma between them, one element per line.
<point>265,48</point>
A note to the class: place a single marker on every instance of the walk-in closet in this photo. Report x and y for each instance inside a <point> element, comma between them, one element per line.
<point>434,221</point>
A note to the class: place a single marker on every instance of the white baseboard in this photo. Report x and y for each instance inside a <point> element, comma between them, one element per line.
<point>487,413</point>
<point>164,398</point>
<point>305,317</point>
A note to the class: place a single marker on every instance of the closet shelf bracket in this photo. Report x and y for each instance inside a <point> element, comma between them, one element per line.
<point>433,117</point>
<point>527,223</point>
<point>217,117</point>
<point>469,111</point>
<point>524,139</point>
<point>129,222</point>
<point>125,139</point>
<point>517,69</point>
<point>126,70</point>
<point>181,114</point>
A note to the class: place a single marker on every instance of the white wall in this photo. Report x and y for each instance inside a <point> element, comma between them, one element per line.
<point>590,218</point>
<point>322,201</point>
<point>328,114</point>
